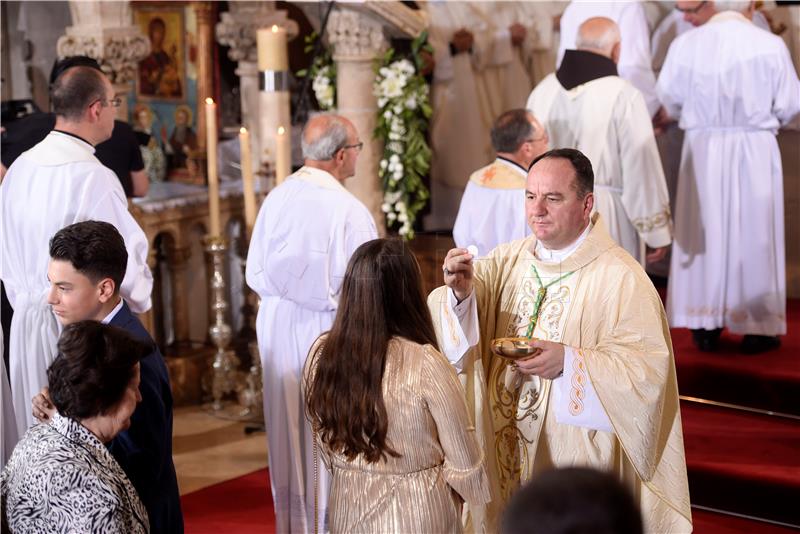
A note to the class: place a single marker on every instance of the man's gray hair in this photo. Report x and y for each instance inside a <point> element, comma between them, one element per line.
<point>325,146</point>
<point>604,41</point>
<point>731,5</point>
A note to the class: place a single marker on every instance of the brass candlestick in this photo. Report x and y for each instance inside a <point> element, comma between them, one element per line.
<point>225,366</point>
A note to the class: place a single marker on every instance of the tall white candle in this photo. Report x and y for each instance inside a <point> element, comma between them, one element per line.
<point>272,51</point>
<point>213,178</point>
<point>247,181</point>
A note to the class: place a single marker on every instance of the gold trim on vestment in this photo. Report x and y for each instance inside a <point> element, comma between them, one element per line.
<point>648,224</point>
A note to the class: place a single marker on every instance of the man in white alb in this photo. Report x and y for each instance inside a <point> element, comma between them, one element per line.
<point>305,233</point>
<point>728,262</point>
<point>493,206</point>
<point>586,105</point>
<point>54,184</point>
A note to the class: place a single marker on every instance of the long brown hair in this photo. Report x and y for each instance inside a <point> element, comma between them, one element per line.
<point>381,298</point>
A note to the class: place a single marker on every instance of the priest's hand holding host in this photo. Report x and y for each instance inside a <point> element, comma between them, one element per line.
<point>549,363</point>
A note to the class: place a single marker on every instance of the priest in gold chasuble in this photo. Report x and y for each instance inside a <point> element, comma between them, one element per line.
<point>602,391</point>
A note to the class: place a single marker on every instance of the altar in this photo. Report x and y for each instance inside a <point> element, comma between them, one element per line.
<point>175,219</point>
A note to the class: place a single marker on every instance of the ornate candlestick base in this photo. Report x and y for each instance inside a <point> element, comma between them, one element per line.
<point>225,365</point>
<point>250,396</point>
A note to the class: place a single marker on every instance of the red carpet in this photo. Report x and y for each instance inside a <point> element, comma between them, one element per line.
<point>239,506</point>
<point>710,523</point>
<point>244,506</point>
<point>770,381</point>
<point>743,462</point>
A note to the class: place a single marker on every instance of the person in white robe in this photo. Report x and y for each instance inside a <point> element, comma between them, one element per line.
<point>492,208</point>
<point>507,77</point>
<point>586,105</point>
<point>543,21</point>
<point>304,235</point>
<point>600,388</point>
<point>54,184</point>
<point>669,137</point>
<point>471,50</point>
<point>728,261</point>
<point>635,64</point>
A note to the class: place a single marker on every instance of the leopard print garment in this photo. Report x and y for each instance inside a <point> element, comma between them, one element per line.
<point>60,478</point>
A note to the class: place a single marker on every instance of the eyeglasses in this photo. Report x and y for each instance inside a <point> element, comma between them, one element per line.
<point>114,102</point>
<point>537,139</point>
<point>692,10</point>
<point>358,146</point>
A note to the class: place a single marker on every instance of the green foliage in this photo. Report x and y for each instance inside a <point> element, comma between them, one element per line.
<point>404,114</point>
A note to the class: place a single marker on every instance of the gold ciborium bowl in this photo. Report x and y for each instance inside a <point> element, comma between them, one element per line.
<point>514,348</point>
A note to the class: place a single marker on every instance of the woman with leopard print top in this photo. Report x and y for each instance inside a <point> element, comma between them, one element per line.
<point>61,477</point>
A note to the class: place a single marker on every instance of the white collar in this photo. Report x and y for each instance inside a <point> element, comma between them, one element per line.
<point>511,165</point>
<point>554,256</point>
<point>59,149</point>
<point>724,16</point>
<point>318,177</point>
<point>113,313</point>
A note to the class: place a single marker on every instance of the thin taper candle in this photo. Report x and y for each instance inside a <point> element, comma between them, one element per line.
<point>213,178</point>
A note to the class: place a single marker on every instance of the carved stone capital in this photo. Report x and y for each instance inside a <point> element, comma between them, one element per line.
<point>355,36</point>
<point>237,27</point>
<point>118,50</point>
<point>105,31</point>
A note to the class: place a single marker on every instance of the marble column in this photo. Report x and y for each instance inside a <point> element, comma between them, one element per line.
<point>237,30</point>
<point>104,31</point>
<point>358,40</point>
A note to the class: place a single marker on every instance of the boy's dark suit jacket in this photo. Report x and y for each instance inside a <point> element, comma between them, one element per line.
<point>144,451</point>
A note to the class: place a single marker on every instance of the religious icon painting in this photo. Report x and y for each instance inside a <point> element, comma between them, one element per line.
<point>162,73</point>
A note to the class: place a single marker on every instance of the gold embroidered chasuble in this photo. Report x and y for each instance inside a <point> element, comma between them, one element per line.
<point>610,313</point>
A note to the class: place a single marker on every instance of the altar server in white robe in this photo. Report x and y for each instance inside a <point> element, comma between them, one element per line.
<point>728,262</point>
<point>602,392</point>
<point>54,184</point>
<point>669,137</point>
<point>634,64</point>
<point>463,37</point>
<point>304,235</point>
<point>493,206</point>
<point>586,105</point>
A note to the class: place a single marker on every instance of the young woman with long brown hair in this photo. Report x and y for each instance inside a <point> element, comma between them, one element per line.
<point>387,408</point>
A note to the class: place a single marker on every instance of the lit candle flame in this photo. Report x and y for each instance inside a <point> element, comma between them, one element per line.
<point>281,130</point>
<point>243,130</point>
<point>274,28</point>
<point>209,100</point>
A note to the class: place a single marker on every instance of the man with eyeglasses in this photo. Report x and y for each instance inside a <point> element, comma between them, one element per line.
<point>728,266</point>
<point>492,210</point>
<point>56,183</point>
<point>588,106</point>
<point>306,231</point>
<point>120,152</point>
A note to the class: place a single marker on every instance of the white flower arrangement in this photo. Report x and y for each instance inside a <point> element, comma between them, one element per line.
<point>324,86</point>
<point>323,75</point>
<point>403,115</point>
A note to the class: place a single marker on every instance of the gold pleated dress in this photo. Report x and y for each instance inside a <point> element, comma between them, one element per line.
<point>440,460</point>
